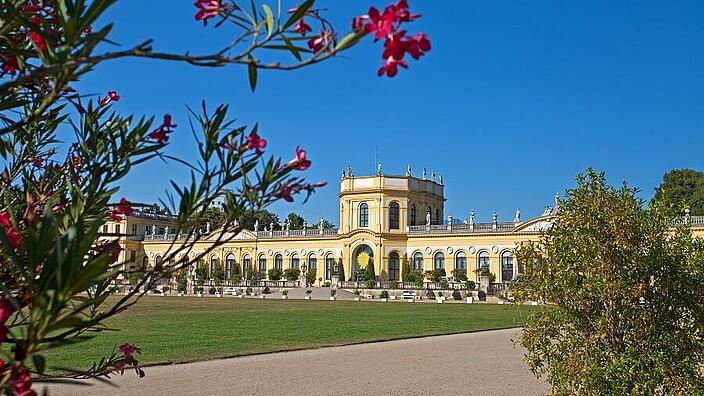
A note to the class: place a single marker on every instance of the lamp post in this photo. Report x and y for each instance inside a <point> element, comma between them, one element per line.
<point>304,267</point>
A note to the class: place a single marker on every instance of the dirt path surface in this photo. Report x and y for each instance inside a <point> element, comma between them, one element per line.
<point>483,363</point>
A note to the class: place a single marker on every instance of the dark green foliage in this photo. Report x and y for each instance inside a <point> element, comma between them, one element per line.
<point>295,221</point>
<point>275,274</point>
<point>460,275</point>
<point>416,277</point>
<point>292,274</point>
<point>181,281</point>
<point>341,270</point>
<point>434,275</point>
<point>682,188</point>
<point>310,277</point>
<point>384,294</point>
<point>624,284</point>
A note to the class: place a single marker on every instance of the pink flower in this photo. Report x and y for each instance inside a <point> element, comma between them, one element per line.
<point>302,27</point>
<point>13,235</point>
<point>88,30</point>
<point>124,208</point>
<point>417,45</point>
<point>21,383</point>
<point>6,309</point>
<point>316,44</point>
<point>120,368</point>
<point>127,349</point>
<point>207,9</point>
<point>37,162</point>
<point>390,68</point>
<point>320,184</point>
<point>285,193</point>
<point>35,36</point>
<point>300,162</point>
<point>3,333</point>
<point>254,142</point>
<point>10,65</point>
<point>161,133</point>
<point>112,96</point>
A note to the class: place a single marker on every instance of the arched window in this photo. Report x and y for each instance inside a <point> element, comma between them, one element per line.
<point>461,264</point>
<point>213,264</point>
<point>262,265</point>
<point>439,261</point>
<point>413,214</point>
<point>157,261</point>
<point>145,262</point>
<point>229,264</point>
<point>279,262</point>
<point>394,264</point>
<point>312,263</point>
<point>246,265</point>
<point>418,261</point>
<point>295,261</point>
<point>506,266</point>
<point>437,216</point>
<point>483,262</point>
<point>329,265</point>
<point>394,211</point>
<point>364,215</point>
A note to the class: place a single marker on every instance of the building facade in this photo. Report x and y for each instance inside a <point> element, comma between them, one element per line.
<point>393,220</point>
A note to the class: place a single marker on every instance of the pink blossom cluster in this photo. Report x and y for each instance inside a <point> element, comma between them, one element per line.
<point>20,382</point>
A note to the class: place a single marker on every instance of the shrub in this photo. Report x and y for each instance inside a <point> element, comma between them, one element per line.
<point>341,271</point>
<point>435,274</point>
<point>384,294</point>
<point>284,293</point>
<point>275,274</point>
<point>624,284</point>
<point>393,285</point>
<point>370,283</point>
<point>470,285</point>
<point>310,277</point>
<point>333,292</point>
<point>211,290</point>
<point>415,277</point>
<point>292,274</point>
<point>369,271</point>
<point>459,275</point>
<point>218,276</point>
<point>266,290</point>
<point>181,281</point>
<point>236,279</point>
<point>444,283</point>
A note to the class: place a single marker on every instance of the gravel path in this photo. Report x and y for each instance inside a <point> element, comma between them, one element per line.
<point>483,363</point>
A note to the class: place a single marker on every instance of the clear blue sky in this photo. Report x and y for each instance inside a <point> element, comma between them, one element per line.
<point>513,101</point>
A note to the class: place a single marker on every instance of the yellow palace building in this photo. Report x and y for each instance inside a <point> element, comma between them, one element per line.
<point>395,220</point>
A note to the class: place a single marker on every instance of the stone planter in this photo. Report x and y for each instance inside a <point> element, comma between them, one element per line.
<point>470,300</point>
<point>307,297</point>
<point>392,297</point>
<point>199,294</point>
<point>180,294</point>
<point>384,299</point>
<point>357,299</point>
<point>262,296</point>
<point>332,298</point>
<point>284,297</point>
<point>501,302</point>
<point>440,300</point>
<point>217,294</point>
<point>162,294</point>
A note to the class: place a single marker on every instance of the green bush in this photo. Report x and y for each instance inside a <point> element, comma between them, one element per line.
<point>624,284</point>
<point>275,274</point>
<point>292,274</point>
<point>266,290</point>
<point>341,271</point>
<point>370,283</point>
<point>444,283</point>
<point>435,274</point>
<point>460,275</point>
<point>181,282</point>
<point>415,277</point>
<point>470,285</point>
<point>310,277</point>
<point>384,294</point>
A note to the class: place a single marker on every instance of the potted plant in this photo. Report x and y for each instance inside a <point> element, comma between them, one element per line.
<point>333,292</point>
<point>384,296</point>
<point>240,293</point>
<point>308,293</point>
<point>357,292</point>
<point>501,299</point>
<point>284,294</point>
<point>440,298</point>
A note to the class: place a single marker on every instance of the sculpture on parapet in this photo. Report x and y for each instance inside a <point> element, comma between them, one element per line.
<point>378,169</point>
<point>432,176</point>
<point>441,182</point>
<point>256,225</point>
<point>548,210</point>
<point>425,174</point>
<point>408,170</point>
<point>494,218</point>
<point>517,219</point>
<point>471,217</point>
<point>558,202</point>
<point>427,218</point>
<point>349,170</point>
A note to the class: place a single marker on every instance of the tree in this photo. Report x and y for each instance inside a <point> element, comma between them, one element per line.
<point>295,221</point>
<point>181,282</point>
<point>326,225</point>
<point>624,286</point>
<point>292,274</point>
<point>310,277</point>
<point>236,274</point>
<point>265,218</point>
<point>341,271</point>
<point>405,268</point>
<point>369,269</point>
<point>55,194</point>
<point>275,274</point>
<point>201,276</point>
<point>218,276</point>
<point>683,188</point>
<point>214,216</point>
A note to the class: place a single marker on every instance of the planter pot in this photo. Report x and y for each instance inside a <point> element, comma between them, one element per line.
<point>284,297</point>
<point>384,299</point>
<point>252,294</point>
<point>392,297</point>
<point>410,301</point>
<point>240,296</point>
<point>199,294</point>
<point>470,300</point>
<point>533,303</point>
<point>217,294</point>
<point>262,296</point>
<point>356,298</point>
<point>180,294</point>
<point>307,297</point>
<point>501,302</point>
<point>333,298</point>
<point>440,301</point>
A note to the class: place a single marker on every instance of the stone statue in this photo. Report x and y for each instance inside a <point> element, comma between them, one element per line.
<point>166,232</point>
<point>237,223</point>
<point>517,219</point>
<point>425,174</point>
<point>494,217</point>
<point>256,225</point>
<point>471,217</point>
<point>207,228</point>
<point>343,174</point>
<point>287,225</point>
<point>154,229</point>
<point>271,226</point>
<point>557,201</point>
<point>349,170</point>
<point>408,170</point>
<point>320,226</point>
<point>548,210</point>
<point>305,224</point>
<point>441,182</point>
<point>378,169</point>
<point>427,218</point>
<point>432,175</point>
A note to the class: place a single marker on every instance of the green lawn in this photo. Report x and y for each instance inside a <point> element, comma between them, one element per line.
<point>177,329</point>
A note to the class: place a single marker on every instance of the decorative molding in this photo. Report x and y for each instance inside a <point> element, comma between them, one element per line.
<point>494,249</point>
<point>449,250</point>
<point>472,250</point>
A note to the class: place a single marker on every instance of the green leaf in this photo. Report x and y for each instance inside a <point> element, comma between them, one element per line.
<point>300,12</point>
<point>349,40</point>
<point>269,20</point>
<point>252,71</point>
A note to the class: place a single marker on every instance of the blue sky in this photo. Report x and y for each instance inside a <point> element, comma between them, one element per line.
<point>513,101</point>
